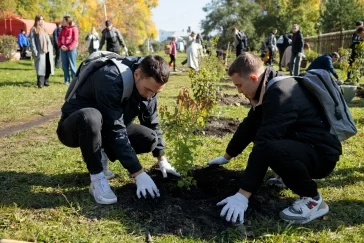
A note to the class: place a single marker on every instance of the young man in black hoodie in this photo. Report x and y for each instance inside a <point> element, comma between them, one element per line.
<point>99,116</point>
<point>113,39</point>
<point>297,51</point>
<point>291,135</point>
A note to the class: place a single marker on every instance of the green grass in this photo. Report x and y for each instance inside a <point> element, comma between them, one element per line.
<point>44,185</point>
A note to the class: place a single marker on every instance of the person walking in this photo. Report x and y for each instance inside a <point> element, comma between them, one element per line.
<point>173,53</point>
<point>113,39</point>
<point>42,50</point>
<point>67,42</point>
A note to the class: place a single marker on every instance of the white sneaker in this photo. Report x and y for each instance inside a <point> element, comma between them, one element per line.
<point>108,173</point>
<point>101,191</point>
<point>276,181</point>
<point>304,210</point>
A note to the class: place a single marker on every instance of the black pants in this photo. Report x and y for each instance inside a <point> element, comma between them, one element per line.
<point>172,61</point>
<point>295,162</point>
<point>239,51</point>
<point>271,56</point>
<point>353,56</point>
<point>57,60</point>
<point>83,129</point>
<point>184,62</point>
<point>44,80</point>
<point>23,51</point>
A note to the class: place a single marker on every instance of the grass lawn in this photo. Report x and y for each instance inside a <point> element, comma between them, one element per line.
<point>44,185</point>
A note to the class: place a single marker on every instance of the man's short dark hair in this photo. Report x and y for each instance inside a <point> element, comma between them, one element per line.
<point>245,64</point>
<point>360,29</point>
<point>156,67</point>
<point>359,23</point>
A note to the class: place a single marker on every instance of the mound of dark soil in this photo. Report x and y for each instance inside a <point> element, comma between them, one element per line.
<point>193,213</point>
<point>235,100</point>
<point>219,127</point>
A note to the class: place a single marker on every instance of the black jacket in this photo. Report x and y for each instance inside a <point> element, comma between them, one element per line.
<point>242,40</point>
<point>282,46</point>
<point>113,39</point>
<point>103,91</point>
<point>288,112</point>
<point>297,42</point>
<point>324,62</point>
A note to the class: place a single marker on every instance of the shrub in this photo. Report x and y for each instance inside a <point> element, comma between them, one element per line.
<point>8,46</point>
<point>179,126</point>
<point>356,68</point>
<point>311,55</point>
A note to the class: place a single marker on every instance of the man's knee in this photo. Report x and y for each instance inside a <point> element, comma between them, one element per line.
<point>92,119</point>
<point>152,141</point>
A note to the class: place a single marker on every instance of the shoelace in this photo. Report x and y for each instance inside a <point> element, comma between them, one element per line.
<point>301,202</point>
<point>104,187</point>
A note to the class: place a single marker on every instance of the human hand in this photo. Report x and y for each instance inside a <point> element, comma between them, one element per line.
<point>235,206</point>
<point>145,183</point>
<point>165,167</point>
<point>219,161</point>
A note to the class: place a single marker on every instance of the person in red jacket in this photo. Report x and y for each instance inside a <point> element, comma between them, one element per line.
<point>67,42</point>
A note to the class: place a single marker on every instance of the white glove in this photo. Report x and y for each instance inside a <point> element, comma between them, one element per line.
<point>301,55</point>
<point>126,50</point>
<point>166,167</point>
<point>235,206</point>
<point>218,161</point>
<point>145,183</point>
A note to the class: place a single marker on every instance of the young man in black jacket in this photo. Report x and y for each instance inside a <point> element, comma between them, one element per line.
<point>113,38</point>
<point>297,51</point>
<point>240,41</point>
<point>99,117</point>
<point>291,136</point>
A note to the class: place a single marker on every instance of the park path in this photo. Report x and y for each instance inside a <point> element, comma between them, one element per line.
<point>29,124</point>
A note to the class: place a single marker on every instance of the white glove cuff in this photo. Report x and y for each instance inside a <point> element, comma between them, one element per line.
<point>240,197</point>
<point>141,176</point>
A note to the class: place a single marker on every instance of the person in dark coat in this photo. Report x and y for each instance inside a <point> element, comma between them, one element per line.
<point>113,39</point>
<point>272,46</point>
<point>325,62</point>
<point>355,40</point>
<point>291,135</point>
<point>23,43</point>
<point>56,33</point>
<point>282,43</point>
<point>240,41</point>
<point>297,51</point>
<point>98,118</point>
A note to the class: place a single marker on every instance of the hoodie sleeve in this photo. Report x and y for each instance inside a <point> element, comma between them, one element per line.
<point>108,91</point>
<point>120,38</point>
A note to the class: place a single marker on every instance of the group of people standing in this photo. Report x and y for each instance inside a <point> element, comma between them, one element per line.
<point>65,42</point>
<point>65,38</point>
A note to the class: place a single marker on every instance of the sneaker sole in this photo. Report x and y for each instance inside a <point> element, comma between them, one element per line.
<point>320,213</point>
<point>106,202</point>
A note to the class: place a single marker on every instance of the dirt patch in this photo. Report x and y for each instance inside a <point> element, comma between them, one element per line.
<point>27,125</point>
<point>234,100</point>
<point>360,92</point>
<point>220,126</point>
<point>226,87</point>
<point>193,213</point>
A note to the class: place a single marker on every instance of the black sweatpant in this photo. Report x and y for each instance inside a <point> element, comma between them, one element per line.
<point>295,162</point>
<point>83,129</point>
<point>271,56</point>
<point>172,61</point>
<point>44,80</point>
<point>281,52</point>
<point>23,50</point>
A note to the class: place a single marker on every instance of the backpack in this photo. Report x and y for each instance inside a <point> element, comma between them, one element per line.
<point>321,85</point>
<point>93,63</point>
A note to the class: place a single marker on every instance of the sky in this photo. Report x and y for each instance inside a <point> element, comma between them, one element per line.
<point>177,15</point>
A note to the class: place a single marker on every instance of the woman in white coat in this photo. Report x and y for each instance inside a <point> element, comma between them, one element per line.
<point>93,41</point>
<point>42,51</point>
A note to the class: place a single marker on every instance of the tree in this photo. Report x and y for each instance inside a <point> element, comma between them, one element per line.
<point>223,15</point>
<point>341,14</point>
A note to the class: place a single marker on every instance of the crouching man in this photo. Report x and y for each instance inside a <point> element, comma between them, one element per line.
<point>291,135</point>
<point>98,117</point>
